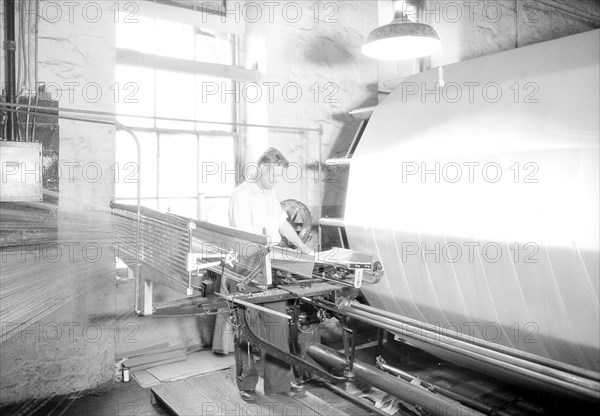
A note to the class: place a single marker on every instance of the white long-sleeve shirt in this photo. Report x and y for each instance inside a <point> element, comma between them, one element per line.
<point>256,210</point>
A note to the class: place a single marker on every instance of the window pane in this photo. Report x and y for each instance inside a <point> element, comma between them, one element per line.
<point>214,47</point>
<point>170,169</point>
<point>186,207</point>
<point>215,101</point>
<point>178,166</point>
<point>138,36</point>
<point>134,94</point>
<point>174,40</point>
<point>218,210</point>
<point>126,166</point>
<point>217,165</point>
<point>175,98</point>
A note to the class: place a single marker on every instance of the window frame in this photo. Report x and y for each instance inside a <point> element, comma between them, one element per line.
<point>232,73</point>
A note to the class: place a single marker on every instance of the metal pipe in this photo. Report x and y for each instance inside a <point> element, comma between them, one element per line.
<point>26,12</point>
<point>506,362</point>
<point>474,404</point>
<point>488,346</point>
<point>317,276</point>
<point>320,185</point>
<point>191,227</point>
<point>417,396</point>
<point>332,222</point>
<point>233,299</point>
<point>36,61</point>
<point>354,399</point>
<point>114,115</point>
<point>215,133</point>
<point>10,47</point>
<point>195,301</point>
<point>475,346</point>
<point>505,366</point>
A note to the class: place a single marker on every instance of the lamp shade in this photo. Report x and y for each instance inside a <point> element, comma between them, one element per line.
<point>400,40</point>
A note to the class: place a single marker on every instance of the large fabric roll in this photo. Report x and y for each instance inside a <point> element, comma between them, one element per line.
<point>481,199</point>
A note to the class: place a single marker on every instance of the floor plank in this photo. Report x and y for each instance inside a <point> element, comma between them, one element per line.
<point>217,394</point>
<point>221,394</point>
<point>181,398</point>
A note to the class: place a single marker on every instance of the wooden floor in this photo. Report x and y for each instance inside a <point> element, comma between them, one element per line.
<point>114,399</point>
<point>217,394</point>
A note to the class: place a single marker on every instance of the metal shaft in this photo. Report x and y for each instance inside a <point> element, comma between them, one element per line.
<point>472,403</point>
<point>515,369</point>
<point>233,299</point>
<point>477,342</point>
<point>482,351</point>
<point>418,396</point>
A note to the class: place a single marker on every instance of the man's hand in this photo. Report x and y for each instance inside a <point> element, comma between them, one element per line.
<point>308,251</point>
<point>286,230</point>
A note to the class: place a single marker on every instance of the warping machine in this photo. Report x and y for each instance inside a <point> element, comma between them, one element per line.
<point>479,198</point>
<point>170,250</point>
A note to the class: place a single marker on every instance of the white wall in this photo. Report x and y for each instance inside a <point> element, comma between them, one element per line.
<point>317,56</point>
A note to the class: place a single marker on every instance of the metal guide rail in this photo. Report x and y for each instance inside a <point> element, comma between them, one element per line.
<point>177,252</point>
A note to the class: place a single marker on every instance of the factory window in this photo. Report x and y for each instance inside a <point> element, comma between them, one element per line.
<point>163,70</point>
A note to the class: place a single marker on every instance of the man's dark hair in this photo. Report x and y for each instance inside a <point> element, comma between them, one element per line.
<point>274,156</point>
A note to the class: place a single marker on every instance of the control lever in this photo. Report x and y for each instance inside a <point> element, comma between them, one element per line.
<point>348,336</point>
<point>241,286</point>
<point>198,258</point>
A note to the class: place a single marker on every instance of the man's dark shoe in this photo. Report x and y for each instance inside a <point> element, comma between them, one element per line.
<point>248,395</point>
<point>293,392</point>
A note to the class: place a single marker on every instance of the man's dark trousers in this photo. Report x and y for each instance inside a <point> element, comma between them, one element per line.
<point>273,329</point>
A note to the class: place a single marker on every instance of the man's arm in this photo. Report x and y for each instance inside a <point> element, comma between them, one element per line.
<point>286,230</point>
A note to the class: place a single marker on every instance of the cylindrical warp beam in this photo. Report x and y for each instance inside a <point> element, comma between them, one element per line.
<point>481,200</point>
<point>429,402</point>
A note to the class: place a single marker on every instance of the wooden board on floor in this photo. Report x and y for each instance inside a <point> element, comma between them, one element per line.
<point>217,394</point>
<point>198,363</point>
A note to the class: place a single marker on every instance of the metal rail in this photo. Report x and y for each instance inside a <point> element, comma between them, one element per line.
<point>518,368</point>
<point>478,345</point>
<point>233,299</point>
<point>114,115</point>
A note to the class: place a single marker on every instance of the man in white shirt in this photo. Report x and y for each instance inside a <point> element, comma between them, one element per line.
<point>254,207</point>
